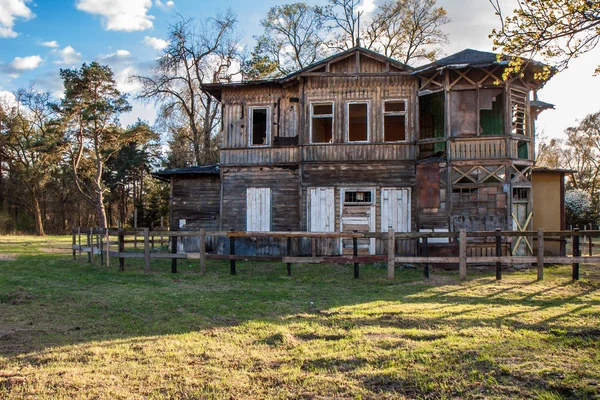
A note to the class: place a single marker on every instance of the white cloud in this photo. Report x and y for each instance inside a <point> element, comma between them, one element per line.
<point>7,99</point>
<point>26,63</point>
<point>367,6</point>
<point>155,43</point>
<point>125,83</point>
<point>120,15</point>
<point>118,57</point>
<point>9,11</point>
<point>167,4</point>
<point>68,56</point>
<point>52,43</point>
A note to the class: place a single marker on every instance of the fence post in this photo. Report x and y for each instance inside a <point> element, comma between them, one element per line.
<point>90,242</point>
<point>355,253</point>
<point>590,244</point>
<point>74,243</point>
<point>498,254</point>
<point>391,253</point>
<point>576,253</point>
<point>107,248</point>
<point>101,248</point>
<point>79,238</point>
<point>232,253</point>
<point>540,255</point>
<point>426,254</point>
<point>462,252</point>
<point>202,251</point>
<point>161,230</point>
<point>121,249</point>
<point>173,251</point>
<point>289,254</point>
<point>146,250</point>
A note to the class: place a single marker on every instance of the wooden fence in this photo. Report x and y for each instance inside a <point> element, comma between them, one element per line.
<point>102,242</point>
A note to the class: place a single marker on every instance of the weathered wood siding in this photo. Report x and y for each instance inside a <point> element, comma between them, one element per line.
<point>358,152</point>
<point>195,199</point>
<point>284,186</point>
<point>260,156</point>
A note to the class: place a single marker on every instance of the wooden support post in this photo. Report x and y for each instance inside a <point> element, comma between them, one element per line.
<point>90,244</point>
<point>498,254</point>
<point>426,254</point>
<point>576,253</point>
<point>462,253</point>
<point>590,244</point>
<point>161,229</point>
<point>146,250</point>
<point>152,240</point>
<point>107,248</point>
<point>74,244</point>
<point>173,251</point>
<point>313,247</point>
<point>121,249</point>
<point>391,253</point>
<point>355,253</point>
<point>79,238</point>
<point>232,252</point>
<point>289,254</point>
<point>203,251</point>
<point>540,254</point>
<point>135,228</point>
<point>101,248</point>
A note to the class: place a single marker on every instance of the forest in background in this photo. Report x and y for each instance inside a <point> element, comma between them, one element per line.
<point>68,161</point>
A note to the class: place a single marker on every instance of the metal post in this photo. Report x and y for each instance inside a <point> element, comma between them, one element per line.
<point>355,253</point>
<point>146,250</point>
<point>121,249</point>
<point>576,253</point>
<point>173,251</point>
<point>498,254</point>
<point>289,254</point>
<point>463,254</point>
<point>90,246</point>
<point>107,248</point>
<point>232,253</point>
<point>426,254</point>
<point>74,244</point>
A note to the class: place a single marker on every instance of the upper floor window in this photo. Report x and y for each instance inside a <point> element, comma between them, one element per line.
<point>477,112</point>
<point>358,122</point>
<point>394,120</point>
<point>259,126</point>
<point>321,125</point>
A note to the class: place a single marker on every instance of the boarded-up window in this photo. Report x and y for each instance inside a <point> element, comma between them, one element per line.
<point>322,210</point>
<point>258,209</point>
<point>322,123</point>
<point>259,133</point>
<point>358,122</point>
<point>394,121</point>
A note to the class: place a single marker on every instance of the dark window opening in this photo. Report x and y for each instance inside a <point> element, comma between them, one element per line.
<point>357,197</point>
<point>463,117</point>
<point>431,116</point>
<point>520,194</point>
<point>322,123</point>
<point>523,150</point>
<point>394,121</point>
<point>357,122</point>
<point>259,127</point>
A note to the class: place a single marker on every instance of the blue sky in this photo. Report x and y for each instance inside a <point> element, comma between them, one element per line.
<point>38,37</point>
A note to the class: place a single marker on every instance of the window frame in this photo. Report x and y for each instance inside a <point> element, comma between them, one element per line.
<point>347,127</point>
<point>251,125</point>
<point>395,113</point>
<point>312,115</point>
<point>345,190</point>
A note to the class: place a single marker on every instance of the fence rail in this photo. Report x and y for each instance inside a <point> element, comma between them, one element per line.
<point>102,242</point>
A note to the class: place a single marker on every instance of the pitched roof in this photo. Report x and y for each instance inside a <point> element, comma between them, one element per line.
<point>214,89</point>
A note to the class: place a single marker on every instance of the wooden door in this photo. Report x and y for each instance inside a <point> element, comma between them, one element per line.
<point>395,214</point>
<point>357,213</point>
<point>321,218</point>
<point>258,209</point>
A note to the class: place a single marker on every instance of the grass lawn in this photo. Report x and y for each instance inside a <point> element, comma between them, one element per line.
<point>69,329</point>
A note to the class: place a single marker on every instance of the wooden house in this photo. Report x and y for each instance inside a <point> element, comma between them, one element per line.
<point>362,142</point>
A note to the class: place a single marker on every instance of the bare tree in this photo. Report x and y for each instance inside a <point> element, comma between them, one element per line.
<point>293,38</point>
<point>342,18</point>
<point>193,57</point>
<point>407,30</point>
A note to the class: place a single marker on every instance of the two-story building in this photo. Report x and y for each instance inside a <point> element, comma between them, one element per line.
<point>362,142</point>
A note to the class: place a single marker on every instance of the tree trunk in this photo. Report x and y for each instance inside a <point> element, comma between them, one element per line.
<point>37,214</point>
<point>101,211</point>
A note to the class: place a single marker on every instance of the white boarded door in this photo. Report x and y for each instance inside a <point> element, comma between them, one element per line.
<point>258,209</point>
<point>395,209</point>
<point>322,209</point>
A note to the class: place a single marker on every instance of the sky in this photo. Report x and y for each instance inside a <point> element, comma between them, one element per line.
<point>38,37</point>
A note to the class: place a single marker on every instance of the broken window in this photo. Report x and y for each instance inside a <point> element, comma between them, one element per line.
<point>259,135</point>
<point>518,103</point>
<point>394,121</point>
<point>353,197</point>
<point>477,112</point>
<point>322,123</point>
<point>431,123</point>
<point>358,122</point>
